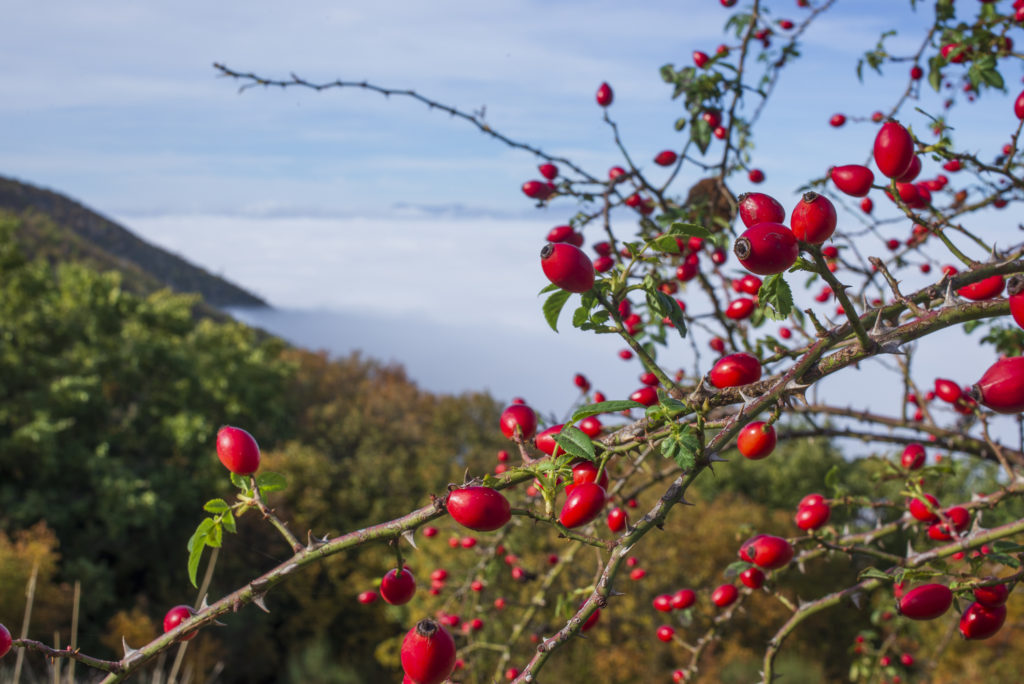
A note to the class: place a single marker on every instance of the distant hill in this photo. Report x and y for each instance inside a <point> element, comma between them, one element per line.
<point>60,229</point>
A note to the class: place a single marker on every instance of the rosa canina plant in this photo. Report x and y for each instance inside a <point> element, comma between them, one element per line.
<point>540,552</point>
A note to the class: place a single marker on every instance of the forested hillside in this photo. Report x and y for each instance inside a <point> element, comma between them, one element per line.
<point>61,229</point>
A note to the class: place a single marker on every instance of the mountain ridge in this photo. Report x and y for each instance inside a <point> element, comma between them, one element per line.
<point>57,227</point>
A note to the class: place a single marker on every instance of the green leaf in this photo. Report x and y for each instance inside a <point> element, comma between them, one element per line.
<point>682,448</point>
<point>548,288</point>
<point>992,77</point>
<point>690,230</point>
<point>196,543</point>
<point>775,297</point>
<point>680,123</point>
<point>662,305</point>
<point>580,316</point>
<point>700,134</point>
<point>832,478</point>
<point>193,561</point>
<point>935,65</point>
<point>270,482</point>
<point>200,533</point>
<point>673,406</point>
<point>802,264</point>
<point>215,536</point>
<point>665,243</point>
<point>216,506</point>
<point>874,573</point>
<point>553,307</point>
<point>228,520</point>
<point>576,443</point>
<point>240,482</point>
<point>604,407</point>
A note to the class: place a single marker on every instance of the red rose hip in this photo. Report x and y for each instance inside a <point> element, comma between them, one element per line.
<point>175,616</point>
<point>479,508</point>
<point>853,179</point>
<point>813,219</point>
<point>981,622</point>
<point>757,207</point>
<point>756,440</point>
<point>1001,388</point>
<point>735,370</point>
<point>583,504</point>
<point>237,450</point>
<point>926,602</point>
<point>894,149</point>
<point>398,587</point>
<point>428,653</point>
<point>766,248</point>
<point>567,266</point>
<point>518,416</point>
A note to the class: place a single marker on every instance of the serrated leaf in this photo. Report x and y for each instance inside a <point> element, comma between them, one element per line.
<point>194,555</point>
<point>802,264</point>
<point>216,506</point>
<point>685,459</point>
<point>1003,559</point>
<point>228,521</point>
<point>553,307</point>
<point>690,230</point>
<point>873,573</point>
<point>700,134</point>
<point>665,243</point>
<point>271,482</point>
<point>992,77</point>
<point>662,306</point>
<point>604,407</point>
<point>240,482</point>
<point>689,439</point>
<point>576,443</point>
<point>215,535</point>
<point>580,316</point>
<point>775,297</point>
<point>200,534</point>
<point>674,405</point>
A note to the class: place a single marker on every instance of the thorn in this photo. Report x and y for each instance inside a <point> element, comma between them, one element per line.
<point>409,537</point>
<point>715,458</point>
<point>315,542</point>
<point>129,652</point>
<point>258,600</point>
<point>801,568</point>
<point>684,502</point>
<point>857,600</point>
<point>877,328</point>
<point>948,299</point>
<point>892,347</point>
<point>204,605</point>
<point>747,401</point>
<point>219,623</point>
<point>910,549</point>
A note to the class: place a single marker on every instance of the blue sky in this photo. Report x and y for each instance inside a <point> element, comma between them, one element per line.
<point>366,209</point>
